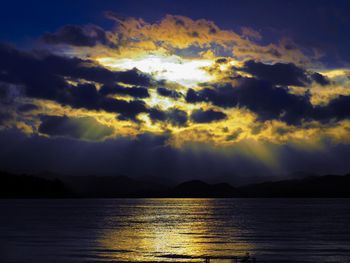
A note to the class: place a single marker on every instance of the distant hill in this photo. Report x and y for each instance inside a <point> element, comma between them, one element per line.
<point>111,186</point>
<point>27,186</point>
<point>198,188</point>
<point>312,186</point>
<point>18,186</point>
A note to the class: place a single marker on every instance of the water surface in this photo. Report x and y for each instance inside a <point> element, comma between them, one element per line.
<point>169,230</point>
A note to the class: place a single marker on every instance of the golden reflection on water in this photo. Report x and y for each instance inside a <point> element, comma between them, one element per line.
<point>166,230</point>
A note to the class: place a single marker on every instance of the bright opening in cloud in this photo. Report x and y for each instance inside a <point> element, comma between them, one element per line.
<point>188,72</point>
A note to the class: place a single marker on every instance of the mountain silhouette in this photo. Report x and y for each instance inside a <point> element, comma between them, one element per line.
<point>198,188</point>
<point>29,186</point>
<point>18,186</point>
<point>110,186</point>
<point>311,186</point>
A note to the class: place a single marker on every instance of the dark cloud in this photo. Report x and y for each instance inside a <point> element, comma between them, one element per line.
<point>26,69</point>
<point>206,116</point>
<point>77,68</point>
<point>43,77</point>
<point>133,77</point>
<point>168,93</point>
<point>151,155</point>
<point>283,74</point>
<point>128,109</point>
<point>337,109</point>
<point>157,115</point>
<point>81,96</point>
<point>221,60</point>
<point>147,154</point>
<point>86,96</point>
<point>177,117</point>
<point>174,116</point>
<point>75,35</point>
<point>80,128</point>
<point>40,76</point>
<point>136,92</point>
<point>320,79</point>
<point>272,103</point>
<point>27,107</point>
<point>5,116</point>
<point>9,93</point>
<point>89,70</point>
<point>149,140</point>
<point>220,95</point>
<point>277,74</point>
<point>37,71</point>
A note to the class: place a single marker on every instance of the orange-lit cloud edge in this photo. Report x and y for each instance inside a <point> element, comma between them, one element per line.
<point>179,54</point>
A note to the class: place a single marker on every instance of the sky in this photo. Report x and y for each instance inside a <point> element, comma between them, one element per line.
<point>237,91</point>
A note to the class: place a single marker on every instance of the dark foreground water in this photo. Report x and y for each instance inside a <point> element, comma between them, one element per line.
<point>114,230</point>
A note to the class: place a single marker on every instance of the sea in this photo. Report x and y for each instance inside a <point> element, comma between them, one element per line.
<point>174,230</point>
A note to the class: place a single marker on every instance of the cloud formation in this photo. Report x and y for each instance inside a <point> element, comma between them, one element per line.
<point>177,85</point>
<point>174,116</point>
<point>86,128</point>
<point>204,116</point>
<point>80,36</point>
<point>279,73</point>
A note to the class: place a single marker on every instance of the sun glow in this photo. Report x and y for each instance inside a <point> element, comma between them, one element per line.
<point>188,72</point>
